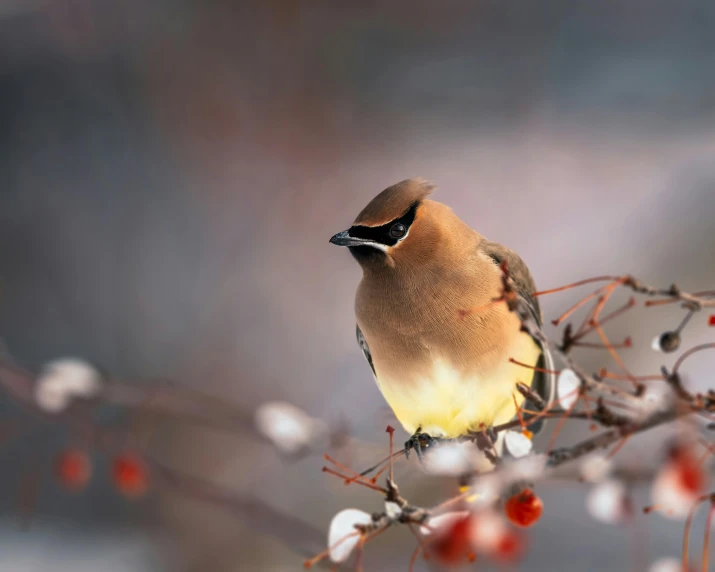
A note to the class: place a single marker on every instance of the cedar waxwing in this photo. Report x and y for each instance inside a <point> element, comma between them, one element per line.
<point>437,345</point>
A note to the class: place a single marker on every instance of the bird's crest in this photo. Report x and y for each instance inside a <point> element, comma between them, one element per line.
<point>393,202</point>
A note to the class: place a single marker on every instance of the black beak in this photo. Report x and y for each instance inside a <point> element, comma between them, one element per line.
<point>344,239</point>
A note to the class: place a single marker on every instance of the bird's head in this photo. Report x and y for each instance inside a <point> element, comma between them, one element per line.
<point>399,226</point>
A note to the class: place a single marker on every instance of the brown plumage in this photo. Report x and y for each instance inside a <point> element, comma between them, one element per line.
<point>393,202</point>
<point>438,346</point>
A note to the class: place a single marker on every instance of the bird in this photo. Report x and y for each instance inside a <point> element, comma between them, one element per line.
<point>428,321</point>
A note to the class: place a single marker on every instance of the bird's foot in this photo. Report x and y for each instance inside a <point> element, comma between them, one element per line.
<point>490,437</point>
<point>485,438</point>
<point>419,442</point>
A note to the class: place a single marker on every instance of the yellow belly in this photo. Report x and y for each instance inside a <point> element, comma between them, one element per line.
<point>446,402</point>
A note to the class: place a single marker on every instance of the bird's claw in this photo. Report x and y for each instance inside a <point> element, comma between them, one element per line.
<point>419,442</point>
<point>485,439</point>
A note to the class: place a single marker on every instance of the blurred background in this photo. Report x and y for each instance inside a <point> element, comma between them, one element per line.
<point>170,173</point>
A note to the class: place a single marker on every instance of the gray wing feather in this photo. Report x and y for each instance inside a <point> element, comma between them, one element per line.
<point>543,383</point>
<point>362,342</point>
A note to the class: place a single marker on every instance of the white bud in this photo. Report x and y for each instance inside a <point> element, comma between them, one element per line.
<point>666,565</point>
<point>64,379</point>
<point>290,429</point>
<point>607,502</point>
<point>343,537</point>
<point>518,444</point>
<point>80,378</point>
<point>392,510</point>
<point>51,397</point>
<point>568,385</point>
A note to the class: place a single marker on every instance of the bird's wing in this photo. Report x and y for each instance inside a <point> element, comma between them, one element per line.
<point>518,272</point>
<point>543,383</point>
<point>362,342</point>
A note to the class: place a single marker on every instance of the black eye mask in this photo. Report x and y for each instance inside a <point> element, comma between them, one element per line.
<point>382,233</point>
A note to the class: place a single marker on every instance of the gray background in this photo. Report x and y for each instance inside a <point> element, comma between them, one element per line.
<point>170,173</point>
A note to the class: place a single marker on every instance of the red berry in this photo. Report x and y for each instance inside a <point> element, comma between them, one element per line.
<point>689,470</point>
<point>524,508</point>
<point>453,545</point>
<point>711,321</point>
<point>130,475</point>
<point>510,547</point>
<point>73,469</point>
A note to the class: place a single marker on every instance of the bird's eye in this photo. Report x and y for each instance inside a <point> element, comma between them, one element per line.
<point>398,230</point>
